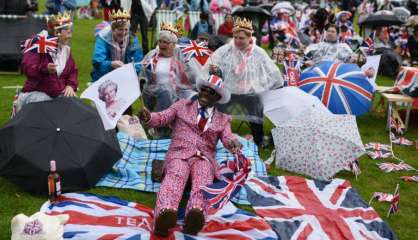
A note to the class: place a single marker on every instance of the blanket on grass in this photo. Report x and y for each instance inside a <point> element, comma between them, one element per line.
<point>134,169</point>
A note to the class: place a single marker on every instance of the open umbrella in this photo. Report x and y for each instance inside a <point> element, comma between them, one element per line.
<point>402,13</point>
<point>341,87</point>
<point>284,6</point>
<point>65,130</point>
<point>317,144</point>
<point>283,104</point>
<point>379,20</point>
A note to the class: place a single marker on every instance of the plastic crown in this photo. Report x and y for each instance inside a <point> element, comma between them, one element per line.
<point>243,23</point>
<point>60,20</point>
<point>169,27</point>
<point>120,15</point>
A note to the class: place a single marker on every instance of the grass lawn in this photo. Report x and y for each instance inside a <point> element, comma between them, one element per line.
<point>372,128</point>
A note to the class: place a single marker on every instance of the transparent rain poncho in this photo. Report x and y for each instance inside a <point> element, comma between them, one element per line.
<point>327,51</point>
<point>178,83</point>
<point>246,74</point>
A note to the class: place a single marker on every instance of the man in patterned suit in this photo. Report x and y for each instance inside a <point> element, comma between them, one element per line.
<point>196,128</point>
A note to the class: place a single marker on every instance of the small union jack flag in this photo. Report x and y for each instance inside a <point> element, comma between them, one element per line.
<point>394,205</point>
<point>381,197</point>
<point>403,141</point>
<point>292,69</point>
<point>33,228</point>
<point>379,154</point>
<point>393,167</point>
<point>377,146</point>
<point>368,44</point>
<point>410,178</point>
<point>40,44</point>
<point>234,174</point>
<point>192,49</point>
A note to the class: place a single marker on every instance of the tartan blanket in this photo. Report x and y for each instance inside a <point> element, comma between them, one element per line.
<point>133,171</point>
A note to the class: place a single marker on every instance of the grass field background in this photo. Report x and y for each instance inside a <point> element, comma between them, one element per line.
<point>372,128</point>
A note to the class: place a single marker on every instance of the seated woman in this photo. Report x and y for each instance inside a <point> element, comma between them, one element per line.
<point>115,47</point>
<point>165,74</point>
<point>226,28</point>
<point>52,73</point>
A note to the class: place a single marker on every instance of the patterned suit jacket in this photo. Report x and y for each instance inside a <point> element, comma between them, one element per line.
<point>187,139</point>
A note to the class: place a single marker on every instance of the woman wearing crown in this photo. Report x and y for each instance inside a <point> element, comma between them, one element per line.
<point>247,71</point>
<point>165,74</point>
<point>115,46</point>
<point>51,70</point>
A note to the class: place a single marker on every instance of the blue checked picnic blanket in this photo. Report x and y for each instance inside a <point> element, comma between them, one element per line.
<point>134,169</point>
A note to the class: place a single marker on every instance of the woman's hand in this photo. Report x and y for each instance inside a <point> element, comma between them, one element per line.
<point>144,114</point>
<point>234,145</point>
<point>116,64</point>
<point>68,91</point>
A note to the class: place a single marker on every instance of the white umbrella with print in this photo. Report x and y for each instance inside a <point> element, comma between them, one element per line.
<point>317,144</point>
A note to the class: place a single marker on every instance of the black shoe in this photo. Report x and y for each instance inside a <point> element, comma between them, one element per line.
<point>166,220</point>
<point>194,222</point>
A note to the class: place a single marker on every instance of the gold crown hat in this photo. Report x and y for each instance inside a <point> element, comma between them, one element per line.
<point>60,20</point>
<point>169,27</point>
<point>120,15</point>
<point>243,24</point>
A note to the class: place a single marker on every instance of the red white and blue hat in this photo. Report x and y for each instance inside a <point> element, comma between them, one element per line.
<point>217,84</point>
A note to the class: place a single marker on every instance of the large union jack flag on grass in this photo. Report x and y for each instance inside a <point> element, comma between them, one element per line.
<point>343,88</point>
<point>94,217</point>
<point>298,208</point>
<point>40,43</point>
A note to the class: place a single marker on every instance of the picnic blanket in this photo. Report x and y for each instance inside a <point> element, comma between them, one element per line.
<point>134,169</point>
<point>96,217</point>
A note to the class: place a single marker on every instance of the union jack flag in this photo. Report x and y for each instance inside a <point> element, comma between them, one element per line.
<point>393,167</point>
<point>95,217</point>
<point>410,178</point>
<point>292,69</point>
<point>394,204</point>
<point>377,146</point>
<point>379,154</point>
<point>298,208</point>
<point>234,174</point>
<point>406,80</point>
<point>343,88</point>
<point>381,197</point>
<point>195,50</point>
<point>40,44</point>
<point>403,141</point>
<point>368,43</point>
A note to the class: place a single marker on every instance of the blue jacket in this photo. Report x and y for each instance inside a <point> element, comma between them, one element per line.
<point>102,56</point>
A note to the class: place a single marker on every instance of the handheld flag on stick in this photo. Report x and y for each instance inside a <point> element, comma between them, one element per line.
<point>381,197</point>
<point>394,205</point>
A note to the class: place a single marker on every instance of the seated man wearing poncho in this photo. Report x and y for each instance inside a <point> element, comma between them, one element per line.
<point>247,71</point>
<point>328,50</point>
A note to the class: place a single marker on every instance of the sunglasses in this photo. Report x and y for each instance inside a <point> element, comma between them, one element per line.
<point>208,90</point>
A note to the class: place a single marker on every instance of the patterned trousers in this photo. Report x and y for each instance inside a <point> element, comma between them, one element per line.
<point>177,172</point>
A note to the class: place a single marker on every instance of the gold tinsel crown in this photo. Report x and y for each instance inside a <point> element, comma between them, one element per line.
<point>243,23</point>
<point>59,20</point>
<point>169,27</point>
<point>120,15</point>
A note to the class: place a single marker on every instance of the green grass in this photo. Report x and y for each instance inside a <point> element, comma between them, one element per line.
<point>372,128</point>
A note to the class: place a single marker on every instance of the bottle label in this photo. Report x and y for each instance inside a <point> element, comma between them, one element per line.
<point>58,188</point>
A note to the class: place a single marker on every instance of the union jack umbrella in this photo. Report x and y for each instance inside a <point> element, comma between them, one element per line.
<point>410,178</point>
<point>234,174</point>
<point>343,88</point>
<point>394,205</point>
<point>192,49</point>
<point>40,44</point>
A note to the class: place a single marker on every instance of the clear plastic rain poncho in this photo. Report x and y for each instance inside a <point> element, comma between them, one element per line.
<point>178,84</point>
<point>328,51</point>
<point>246,74</point>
